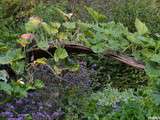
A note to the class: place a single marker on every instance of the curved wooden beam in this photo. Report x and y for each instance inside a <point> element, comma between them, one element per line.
<point>36,53</point>
<point>126,60</point>
<point>79,49</point>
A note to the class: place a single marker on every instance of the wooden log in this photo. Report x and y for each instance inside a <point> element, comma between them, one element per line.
<point>36,53</point>
<point>126,60</point>
<point>79,49</point>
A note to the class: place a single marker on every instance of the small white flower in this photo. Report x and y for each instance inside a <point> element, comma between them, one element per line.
<point>20,82</point>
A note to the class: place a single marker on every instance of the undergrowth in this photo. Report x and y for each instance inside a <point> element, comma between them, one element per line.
<point>117,91</point>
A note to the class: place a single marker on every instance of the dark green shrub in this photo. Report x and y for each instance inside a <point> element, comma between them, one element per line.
<point>132,110</point>
<point>110,104</point>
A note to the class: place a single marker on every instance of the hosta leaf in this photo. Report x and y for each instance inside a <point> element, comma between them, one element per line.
<point>60,53</point>
<point>141,27</point>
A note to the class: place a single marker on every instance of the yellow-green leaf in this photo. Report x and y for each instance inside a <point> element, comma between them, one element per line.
<point>41,61</point>
<point>141,27</point>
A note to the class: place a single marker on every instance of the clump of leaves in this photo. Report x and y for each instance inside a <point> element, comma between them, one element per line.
<point>98,36</point>
<point>18,89</point>
<point>99,105</point>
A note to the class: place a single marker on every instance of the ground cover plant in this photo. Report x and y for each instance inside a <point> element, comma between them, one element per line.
<point>54,65</point>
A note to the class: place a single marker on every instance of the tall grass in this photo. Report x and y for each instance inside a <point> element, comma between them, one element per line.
<point>126,11</point>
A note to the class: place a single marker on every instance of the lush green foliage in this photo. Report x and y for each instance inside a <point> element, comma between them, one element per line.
<point>48,23</point>
<point>111,104</point>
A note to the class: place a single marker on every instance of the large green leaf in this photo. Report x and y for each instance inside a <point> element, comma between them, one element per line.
<point>60,53</point>
<point>11,55</point>
<point>141,27</point>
